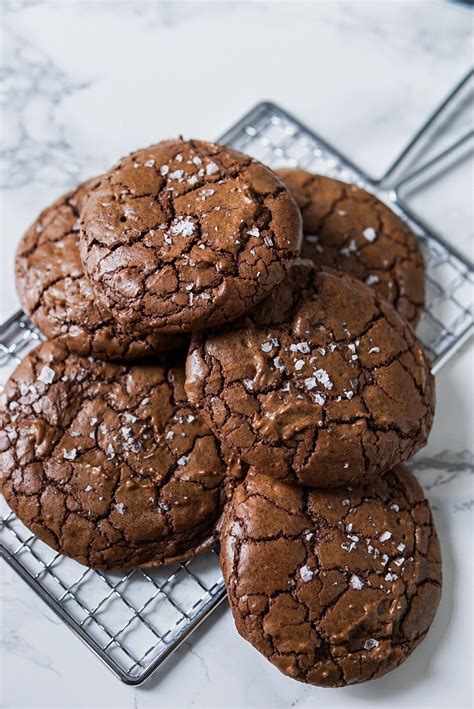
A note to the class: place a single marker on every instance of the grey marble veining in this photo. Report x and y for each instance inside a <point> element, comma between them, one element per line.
<point>35,146</point>
<point>448,461</point>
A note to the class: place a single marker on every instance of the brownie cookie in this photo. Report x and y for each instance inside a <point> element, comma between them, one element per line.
<point>334,587</point>
<point>55,294</point>
<point>323,384</point>
<point>186,234</point>
<point>347,228</point>
<point>107,463</point>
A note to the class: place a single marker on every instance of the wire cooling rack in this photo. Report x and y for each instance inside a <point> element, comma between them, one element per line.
<point>135,621</point>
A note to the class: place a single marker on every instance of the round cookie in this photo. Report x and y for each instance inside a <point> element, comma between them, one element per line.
<point>185,235</point>
<point>107,463</point>
<point>334,587</point>
<point>56,295</point>
<point>323,384</point>
<point>347,228</point>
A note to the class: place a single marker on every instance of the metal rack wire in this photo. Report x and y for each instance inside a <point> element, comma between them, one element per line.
<point>135,621</point>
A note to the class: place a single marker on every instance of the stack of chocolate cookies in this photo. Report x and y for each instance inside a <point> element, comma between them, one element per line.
<point>230,353</point>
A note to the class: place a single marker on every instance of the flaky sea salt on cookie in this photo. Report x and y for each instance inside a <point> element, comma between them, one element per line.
<point>323,384</point>
<point>334,587</point>
<point>185,235</point>
<point>57,297</point>
<point>347,228</point>
<point>108,463</point>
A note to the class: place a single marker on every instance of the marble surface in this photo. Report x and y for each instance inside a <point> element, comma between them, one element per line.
<point>86,81</point>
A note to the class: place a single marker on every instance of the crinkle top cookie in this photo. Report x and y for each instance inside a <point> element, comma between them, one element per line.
<point>56,295</point>
<point>323,383</point>
<point>337,586</point>
<point>347,228</point>
<point>108,463</point>
<point>187,234</point>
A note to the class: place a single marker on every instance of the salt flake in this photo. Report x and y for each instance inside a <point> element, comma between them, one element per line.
<point>47,375</point>
<point>211,168</point>
<point>302,347</point>
<point>323,377</point>
<point>183,227</point>
<point>278,363</point>
<point>306,574</point>
<point>356,583</point>
<point>110,451</point>
<point>348,250</point>
<point>370,234</point>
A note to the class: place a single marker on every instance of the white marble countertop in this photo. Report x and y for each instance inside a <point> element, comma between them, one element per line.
<point>85,82</point>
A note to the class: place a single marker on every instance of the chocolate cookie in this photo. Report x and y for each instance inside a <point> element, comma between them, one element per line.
<point>351,230</point>
<point>186,234</point>
<point>107,463</point>
<point>324,383</point>
<point>334,587</point>
<point>55,294</point>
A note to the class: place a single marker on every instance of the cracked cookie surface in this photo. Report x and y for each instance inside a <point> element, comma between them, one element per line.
<point>56,295</point>
<point>185,235</point>
<point>323,384</point>
<point>334,587</point>
<point>347,228</point>
<point>108,463</point>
